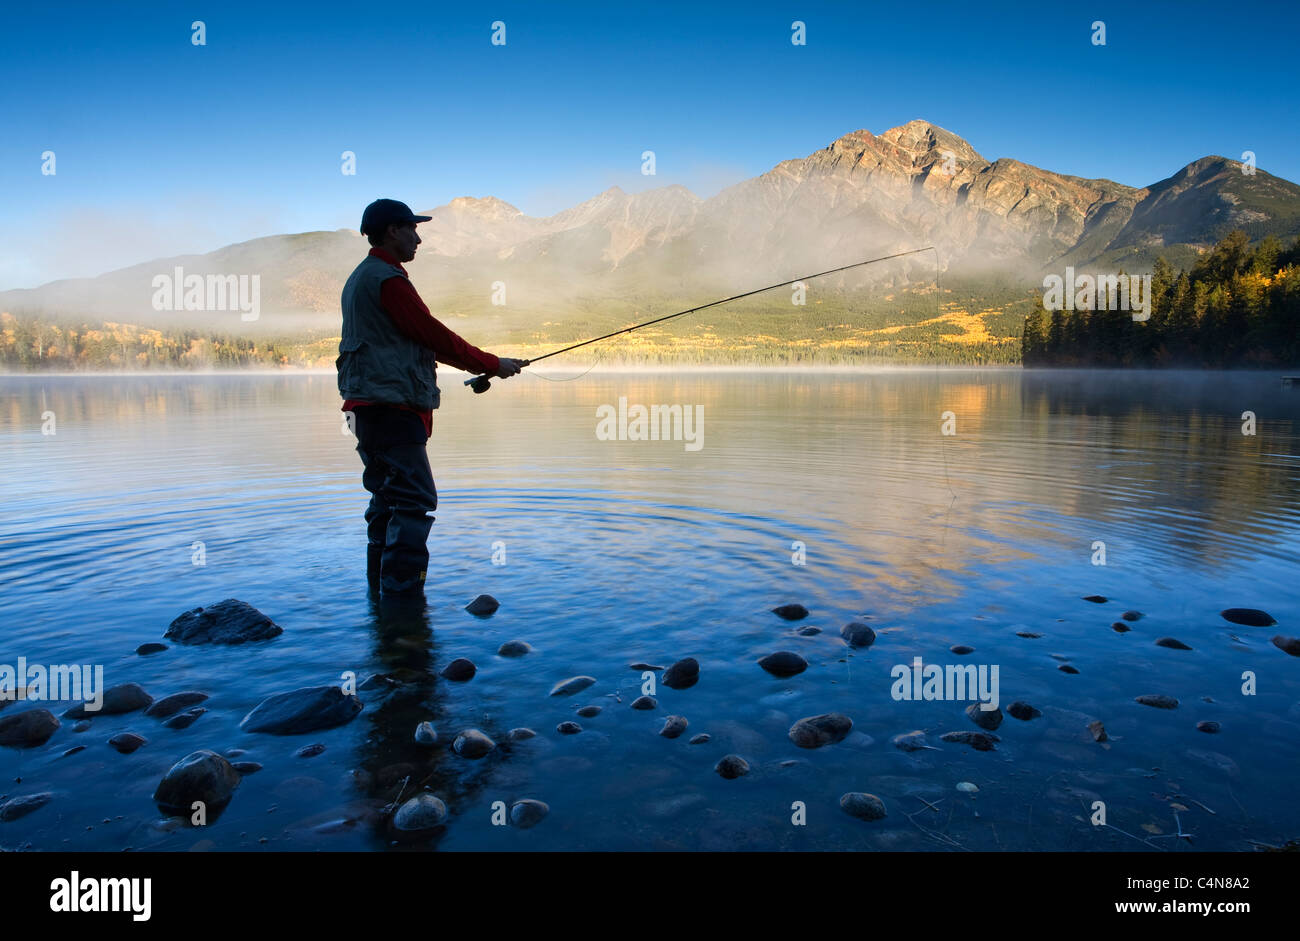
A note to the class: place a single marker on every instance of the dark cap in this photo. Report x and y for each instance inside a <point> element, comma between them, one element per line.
<point>382,213</point>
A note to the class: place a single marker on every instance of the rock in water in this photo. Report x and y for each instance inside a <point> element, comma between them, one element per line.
<point>199,776</point>
<point>643,666</point>
<point>17,807</point>
<point>513,648</point>
<point>1208,725</point>
<point>1096,599</point>
<point>1251,617</point>
<point>1132,615</point>
<point>863,806</point>
<point>568,728</point>
<point>1023,711</point>
<point>459,670</point>
<point>1172,643</point>
<point>520,734</point>
<point>183,720</point>
<point>588,712</point>
<point>645,702</point>
<point>426,734</point>
<point>120,699</point>
<point>309,751</point>
<point>674,726</point>
<point>33,727</point>
<point>825,729</point>
<point>791,612</point>
<point>574,684</point>
<point>783,663</point>
<point>246,767</point>
<point>912,741</point>
<point>528,813</point>
<point>422,812</point>
<point>1119,627</point>
<point>988,719</point>
<point>857,634</point>
<point>980,741</point>
<point>1066,668</point>
<point>961,649</point>
<point>227,622</point>
<point>701,739</point>
<point>127,742</point>
<point>809,631</point>
<point>302,710</point>
<point>683,674</point>
<point>170,705</point>
<point>1098,731</point>
<point>472,744</point>
<point>731,766</point>
<point>483,605</point>
<point>1032,635</point>
<point>153,647</point>
<point>1157,700</point>
<point>1289,644</point>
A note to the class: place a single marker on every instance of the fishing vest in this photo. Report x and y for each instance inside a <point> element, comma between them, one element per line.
<point>377,362</point>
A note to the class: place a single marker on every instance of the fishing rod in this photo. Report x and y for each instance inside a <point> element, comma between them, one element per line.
<point>481,384</point>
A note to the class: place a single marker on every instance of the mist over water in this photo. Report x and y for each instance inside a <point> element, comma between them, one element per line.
<point>620,551</point>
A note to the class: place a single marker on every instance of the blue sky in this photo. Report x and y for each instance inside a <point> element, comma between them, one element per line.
<point>164,147</point>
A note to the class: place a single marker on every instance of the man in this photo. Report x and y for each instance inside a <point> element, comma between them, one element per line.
<point>387,366</point>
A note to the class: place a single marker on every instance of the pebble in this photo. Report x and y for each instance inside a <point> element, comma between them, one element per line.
<point>568,728</point>
<point>701,739</point>
<point>1251,617</point>
<point>528,813</point>
<point>246,767</point>
<point>1119,627</point>
<point>1023,711</point>
<point>1208,725</point>
<point>421,813</point>
<point>988,720</point>
<point>588,712</point>
<point>1172,643</point>
<point>519,734</point>
<point>574,684</point>
<point>1132,615</point>
<point>961,649</point>
<point>1096,599</point>
<point>309,751</point>
<point>643,666</point>
<point>33,727</point>
<point>825,729</point>
<point>966,787</point>
<point>980,741</point>
<point>472,743</point>
<point>81,726</point>
<point>791,612</point>
<point>683,674</point>
<point>170,705</point>
<point>673,726</point>
<point>127,742</point>
<point>200,776</point>
<point>783,663</point>
<point>1157,700</point>
<point>459,670</point>
<point>1290,645</point>
<point>863,806</point>
<point>302,710</point>
<point>73,750</point>
<point>483,605</point>
<point>514,648</point>
<point>426,734</point>
<point>857,634</point>
<point>183,720</point>
<point>645,702</point>
<point>809,631</point>
<point>152,647</point>
<point>731,766</point>
<point>911,741</point>
<point>1098,731</point>
<point>1032,635</point>
<point>17,807</point>
<point>120,699</point>
<point>1066,668</point>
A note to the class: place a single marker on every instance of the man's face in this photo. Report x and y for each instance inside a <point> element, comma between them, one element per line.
<point>404,241</point>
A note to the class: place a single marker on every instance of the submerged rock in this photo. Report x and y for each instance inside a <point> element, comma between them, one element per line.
<point>568,728</point>
<point>980,741</point>
<point>127,742</point>
<point>1023,711</point>
<point>808,631</point>
<point>472,743</point>
<point>857,634</point>
<point>514,648</point>
<point>731,766</point>
<point>825,729</point>
<point>912,741</point>
<point>520,734</point>
<point>426,734</point>
<point>783,663</point>
<point>961,649</point>
<point>1208,725</point>
<point>246,767</point>
<point>574,684</point>
<point>702,739</point>
<point>1172,643</point>
<point>791,612</point>
<point>302,710</point>
<point>673,726</point>
<point>1098,731</point>
<point>863,806</point>
<point>988,719</point>
<point>459,670</point>
<point>118,700</point>
<point>1132,615</point>
<point>483,606</point>
<point>1251,617</point>
<point>17,807</point>
<point>1290,645</point>
<point>1157,700</point>
<point>170,705</point>
<point>588,712</point>
<point>1066,668</point>
<point>421,813</point>
<point>1032,635</point>
<point>683,674</point>
<point>528,813</point>
<point>645,702</point>
<point>183,720</point>
<point>309,751</point>
<point>1096,599</point>
<point>33,727</point>
<point>199,776</point>
<point>642,666</point>
<point>227,622</point>
<point>1119,627</point>
<point>152,647</point>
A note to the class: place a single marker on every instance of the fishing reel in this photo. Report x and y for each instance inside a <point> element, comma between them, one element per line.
<point>481,384</point>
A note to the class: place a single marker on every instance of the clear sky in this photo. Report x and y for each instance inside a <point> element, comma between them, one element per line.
<point>163,147</point>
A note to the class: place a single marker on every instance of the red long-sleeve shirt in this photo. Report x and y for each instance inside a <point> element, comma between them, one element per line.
<point>410,315</point>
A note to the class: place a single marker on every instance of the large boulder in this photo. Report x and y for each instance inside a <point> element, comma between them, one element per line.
<point>200,776</point>
<point>302,710</point>
<point>227,622</point>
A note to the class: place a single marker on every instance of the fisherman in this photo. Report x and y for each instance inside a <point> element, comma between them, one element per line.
<point>387,365</point>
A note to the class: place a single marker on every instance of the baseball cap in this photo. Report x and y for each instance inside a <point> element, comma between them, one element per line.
<point>382,213</point>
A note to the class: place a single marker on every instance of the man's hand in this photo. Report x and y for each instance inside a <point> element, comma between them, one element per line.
<point>508,368</point>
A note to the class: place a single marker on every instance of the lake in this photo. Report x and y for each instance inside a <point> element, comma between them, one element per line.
<point>839,491</point>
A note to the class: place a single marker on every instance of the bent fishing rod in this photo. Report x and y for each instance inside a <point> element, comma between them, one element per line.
<point>481,384</point>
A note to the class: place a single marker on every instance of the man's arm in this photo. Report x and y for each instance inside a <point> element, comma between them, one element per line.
<point>412,317</point>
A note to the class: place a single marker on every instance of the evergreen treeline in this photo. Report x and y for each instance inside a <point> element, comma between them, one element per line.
<point>1237,306</point>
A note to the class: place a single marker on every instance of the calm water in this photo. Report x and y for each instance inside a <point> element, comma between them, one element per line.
<point>622,551</point>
